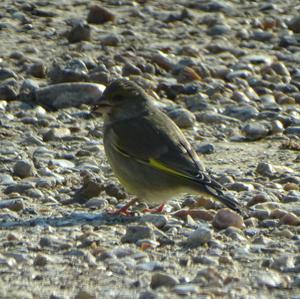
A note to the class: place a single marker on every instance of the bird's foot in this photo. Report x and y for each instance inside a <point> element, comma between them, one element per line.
<point>124,210</point>
<point>158,209</point>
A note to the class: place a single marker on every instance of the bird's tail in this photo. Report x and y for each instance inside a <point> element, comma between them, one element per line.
<point>216,190</point>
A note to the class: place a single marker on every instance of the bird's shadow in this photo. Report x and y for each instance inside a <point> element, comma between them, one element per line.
<point>73,219</point>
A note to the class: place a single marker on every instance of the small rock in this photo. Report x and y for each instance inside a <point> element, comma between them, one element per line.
<point>186,290</point>
<point>41,260</point>
<point>199,236</point>
<point>243,112</point>
<point>115,190</point>
<point>100,15</point>
<point>37,70</point>
<point>271,279</point>
<point>7,73</point>
<point>163,280</point>
<point>135,233</point>
<point>79,32</point>
<point>294,24</point>
<point>65,95</point>
<point>182,117</point>
<point>291,186</point>
<point>290,219</point>
<point>84,295</point>
<point>255,131</point>
<point>23,169</point>
<point>206,148</point>
<point>158,220</point>
<point>265,169</point>
<point>283,262</point>
<point>225,218</point>
<point>12,204</point>
<point>292,131</point>
<point>163,61</point>
<point>112,40</point>
<point>148,295</point>
<point>56,134</point>
<point>240,187</point>
<point>196,214</point>
<point>9,89</point>
<point>278,213</point>
<point>96,203</point>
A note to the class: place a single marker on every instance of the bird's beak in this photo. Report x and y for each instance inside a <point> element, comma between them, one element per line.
<point>102,106</point>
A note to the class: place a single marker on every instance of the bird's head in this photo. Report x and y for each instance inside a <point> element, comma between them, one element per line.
<point>121,95</point>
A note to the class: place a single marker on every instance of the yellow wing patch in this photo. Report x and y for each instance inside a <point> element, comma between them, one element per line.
<point>154,163</point>
<point>158,165</point>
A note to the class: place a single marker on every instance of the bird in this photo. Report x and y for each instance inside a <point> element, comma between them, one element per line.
<point>148,152</point>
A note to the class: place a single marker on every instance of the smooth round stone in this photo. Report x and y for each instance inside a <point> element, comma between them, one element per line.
<point>82,294</point>
<point>294,24</point>
<point>112,40</point>
<point>23,169</point>
<point>293,131</point>
<point>182,117</point>
<point>100,15</point>
<point>96,203</point>
<point>262,36</point>
<point>162,279</point>
<point>255,131</point>
<point>265,169</point>
<point>65,95</point>
<point>135,233</point>
<point>6,179</point>
<point>206,148</point>
<point>185,290</point>
<point>199,236</point>
<point>242,112</point>
<point>158,220</point>
<point>62,163</point>
<point>219,29</point>
<point>225,218</point>
<point>79,32</point>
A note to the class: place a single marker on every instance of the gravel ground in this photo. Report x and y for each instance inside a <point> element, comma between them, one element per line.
<point>227,72</point>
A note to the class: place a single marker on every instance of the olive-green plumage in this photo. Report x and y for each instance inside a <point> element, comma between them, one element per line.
<point>148,152</point>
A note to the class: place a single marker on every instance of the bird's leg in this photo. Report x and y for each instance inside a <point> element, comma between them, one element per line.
<point>158,209</point>
<point>124,210</point>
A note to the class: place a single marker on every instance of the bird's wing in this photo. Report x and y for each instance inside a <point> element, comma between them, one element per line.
<point>157,141</point>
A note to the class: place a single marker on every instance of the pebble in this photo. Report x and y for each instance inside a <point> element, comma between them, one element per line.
<point>82,294</point>
<point>12,204</point>
<point>23,169</point>
<point>294,24</point>
<point>56,134</point>
<point>161,279</point>
<point>135,233</point>
<point>265,169</point>
<point>186,289</point>
<point>225,218</point>
<point>79,32</point>
<point>41,260</point>
<point>182,117</point>
<point>206,148</point>
<point>290,219</point>
<point>199,236</point>
<point>255,131</point>
<point>100,15</point>
<point>271,279</point>
<point>243,112</point>
<point>58,96</point>
<point>157,220</point>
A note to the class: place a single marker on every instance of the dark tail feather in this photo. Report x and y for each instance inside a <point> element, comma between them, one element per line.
<point>228,201</point>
